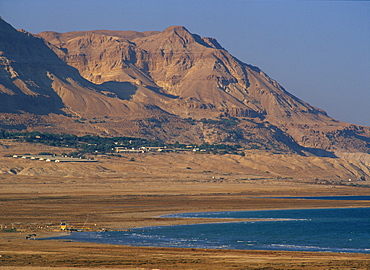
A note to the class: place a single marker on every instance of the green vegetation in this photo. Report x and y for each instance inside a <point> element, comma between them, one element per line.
<point>94,144</point>
<point>83,144</point>
<point>215,148</point>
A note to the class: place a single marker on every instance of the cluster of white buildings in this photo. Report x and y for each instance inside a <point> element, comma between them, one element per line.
<point>53,158</point>
<point>145,149</point>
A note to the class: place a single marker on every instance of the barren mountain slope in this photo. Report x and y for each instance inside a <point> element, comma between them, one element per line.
<point>38,89</point>
<point>202,80</point>
<point>196,72</point>
<point>170,85</point>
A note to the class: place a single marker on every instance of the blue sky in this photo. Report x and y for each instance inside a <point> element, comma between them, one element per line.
<point>318,50</point>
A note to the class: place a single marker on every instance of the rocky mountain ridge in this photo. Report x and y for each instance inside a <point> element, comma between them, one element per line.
<point>171,85</point>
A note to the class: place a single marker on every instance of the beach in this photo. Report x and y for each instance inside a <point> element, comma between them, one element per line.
<point>118,193</point>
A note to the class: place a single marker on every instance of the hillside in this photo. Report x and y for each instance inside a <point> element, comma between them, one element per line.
<point>254,167</point>
<point>171,86</point>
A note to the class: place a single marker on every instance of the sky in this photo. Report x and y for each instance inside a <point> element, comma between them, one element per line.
<point>318,51</point>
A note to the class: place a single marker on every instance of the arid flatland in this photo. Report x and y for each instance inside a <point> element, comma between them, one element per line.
<point>135,189</point>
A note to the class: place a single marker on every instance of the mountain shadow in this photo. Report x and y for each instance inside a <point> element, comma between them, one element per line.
<point>121,90</point>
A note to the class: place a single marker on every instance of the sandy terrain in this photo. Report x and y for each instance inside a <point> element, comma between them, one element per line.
<point>134,190</point>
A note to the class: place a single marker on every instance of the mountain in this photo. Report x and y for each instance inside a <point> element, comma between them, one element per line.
<point>171,85</point>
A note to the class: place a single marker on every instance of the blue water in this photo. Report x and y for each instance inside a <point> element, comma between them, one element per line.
<point>341,198</point>
<point>325,230</point>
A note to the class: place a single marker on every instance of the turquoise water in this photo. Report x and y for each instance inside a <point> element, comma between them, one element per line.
<point>325,230</point>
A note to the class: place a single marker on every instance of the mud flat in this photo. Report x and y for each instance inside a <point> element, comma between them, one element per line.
<point>133,191</point>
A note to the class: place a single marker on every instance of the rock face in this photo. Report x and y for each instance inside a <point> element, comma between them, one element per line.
<point>194,73</point>
<point>170,85</point>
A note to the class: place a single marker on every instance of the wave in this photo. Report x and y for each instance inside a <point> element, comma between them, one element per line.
<point>317,248</point>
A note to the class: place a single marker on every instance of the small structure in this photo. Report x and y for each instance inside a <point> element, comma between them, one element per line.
<point>63,226</point>
<point>31,236</point>
<point>126,150</point>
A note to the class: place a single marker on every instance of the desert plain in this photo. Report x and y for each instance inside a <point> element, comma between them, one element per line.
<point>134,190</point>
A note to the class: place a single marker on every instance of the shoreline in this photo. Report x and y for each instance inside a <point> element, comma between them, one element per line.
<point>188,221</point>
<point>64,253</point>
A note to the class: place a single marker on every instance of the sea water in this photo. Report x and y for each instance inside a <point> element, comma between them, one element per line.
<point>325,230</point>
